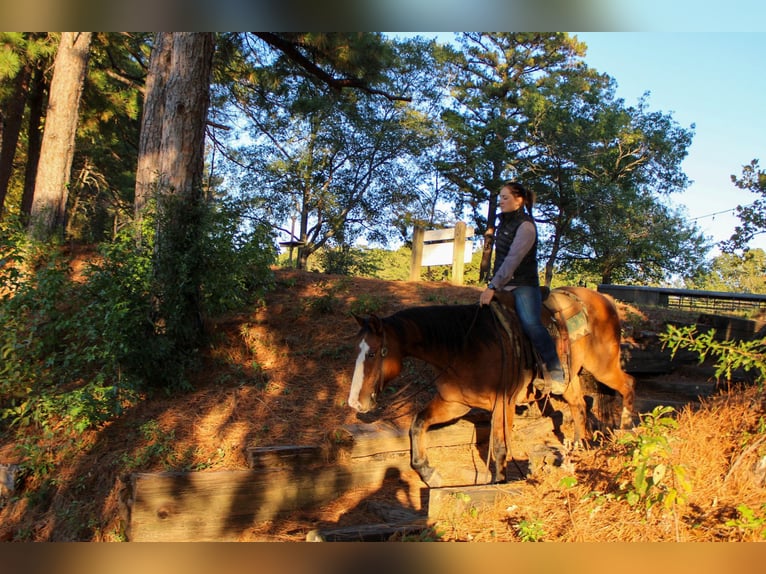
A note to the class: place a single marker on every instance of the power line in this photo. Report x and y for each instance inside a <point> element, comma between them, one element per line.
<point>713,214</point>
<point>724,211</point>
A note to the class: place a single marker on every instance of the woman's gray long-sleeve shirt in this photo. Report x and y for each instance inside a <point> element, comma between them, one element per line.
<point>525,238</point>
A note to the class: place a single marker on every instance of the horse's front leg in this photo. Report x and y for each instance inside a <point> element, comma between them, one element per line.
<point>502,420</point>
<point>436,412</point>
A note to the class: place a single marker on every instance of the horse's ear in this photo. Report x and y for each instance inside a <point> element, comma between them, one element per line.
<point>372,322</point>
<point>376,324</point>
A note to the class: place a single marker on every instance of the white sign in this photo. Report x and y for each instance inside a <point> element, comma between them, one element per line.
<point>438,247</point>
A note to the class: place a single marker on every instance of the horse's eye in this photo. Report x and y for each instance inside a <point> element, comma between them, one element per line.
<point>371,354</point>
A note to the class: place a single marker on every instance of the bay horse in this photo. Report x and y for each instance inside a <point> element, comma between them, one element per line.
<point>486,363</point>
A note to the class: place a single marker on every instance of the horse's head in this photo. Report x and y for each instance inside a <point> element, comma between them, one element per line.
<point>374,365</point>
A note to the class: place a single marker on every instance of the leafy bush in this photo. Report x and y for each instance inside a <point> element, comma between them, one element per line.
<point>81,351</point>
<point>729,355</point>
<point>346,260</point>
<point>653,476</point>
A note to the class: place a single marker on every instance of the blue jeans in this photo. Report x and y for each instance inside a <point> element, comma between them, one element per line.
<point>529,306</point>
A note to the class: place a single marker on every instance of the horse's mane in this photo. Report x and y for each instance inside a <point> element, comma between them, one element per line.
<point>457,328</point>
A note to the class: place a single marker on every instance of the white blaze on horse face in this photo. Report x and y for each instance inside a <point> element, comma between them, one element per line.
<point>358,378</point>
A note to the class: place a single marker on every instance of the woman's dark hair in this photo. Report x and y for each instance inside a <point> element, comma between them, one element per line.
<point>520,191</point>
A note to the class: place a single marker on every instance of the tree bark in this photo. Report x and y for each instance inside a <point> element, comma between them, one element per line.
<point>152,117</point>
<point>36,104</point>
<point>171,163</point>
<point>181,160</point>
<point>11,128</point>
<point>48,212</point>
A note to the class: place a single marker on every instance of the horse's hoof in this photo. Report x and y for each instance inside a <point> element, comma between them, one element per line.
<point>626,422</point>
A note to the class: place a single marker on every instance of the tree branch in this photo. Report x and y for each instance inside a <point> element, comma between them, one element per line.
<point>291,51</point>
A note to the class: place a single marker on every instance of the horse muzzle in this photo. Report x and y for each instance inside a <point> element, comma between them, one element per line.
<point>364,406</point>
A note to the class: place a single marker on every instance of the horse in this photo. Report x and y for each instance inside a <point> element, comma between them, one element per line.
<point>483,360</point>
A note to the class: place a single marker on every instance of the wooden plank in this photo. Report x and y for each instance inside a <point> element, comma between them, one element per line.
<point>362,440</point>
<point>648,361</point>
<point>445,234</point>
<point>450,502</point>
<point>291,456</point>
<point>219,505</point>
<point>366,439</point>
<point>416,261</point>
<point>458,263</point>
<point>647,404</point>
<point>729,327</point>
<point>397,520</point>
<point>365,532</point>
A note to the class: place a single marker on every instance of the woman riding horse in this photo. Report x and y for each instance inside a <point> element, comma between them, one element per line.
<point>515,270</point>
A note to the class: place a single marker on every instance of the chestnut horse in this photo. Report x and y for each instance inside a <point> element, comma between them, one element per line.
<point>484,361</point>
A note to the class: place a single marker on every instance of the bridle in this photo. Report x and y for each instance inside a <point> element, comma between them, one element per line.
<point>383,351</point>
<point>400,396</point>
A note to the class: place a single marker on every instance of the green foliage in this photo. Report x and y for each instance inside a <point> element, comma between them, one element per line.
<point>733,272</point>
<point>77,353</point>
<point>653,478</point>
<point>752,216</point>
<point>159,448</point>
<point>729,355</point>
<point>345,260</point>
<point>749,520</point>
<point>61,345</point>
<point>427,534</point>
<point>12,242</point>
<point>328,302</point>
<point>237,258</point>
<point>366,304</point>
<point>205,260</point>
<point>531,530</point>
<point>106,153</point>
<point>345,165</point>
<point>38,458</point>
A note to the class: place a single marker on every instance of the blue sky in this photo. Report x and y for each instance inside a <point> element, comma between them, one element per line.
<point>713,80</point>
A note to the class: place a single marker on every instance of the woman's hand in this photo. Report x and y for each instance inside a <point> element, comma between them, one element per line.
<point>486,296</point>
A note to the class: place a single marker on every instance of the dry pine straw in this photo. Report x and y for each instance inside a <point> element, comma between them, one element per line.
<point>279,375</point>
<point>720,444</point>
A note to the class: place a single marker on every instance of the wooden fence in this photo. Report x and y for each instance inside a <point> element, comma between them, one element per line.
<point>709,301</point>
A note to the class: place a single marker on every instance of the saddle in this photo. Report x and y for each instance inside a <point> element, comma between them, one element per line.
<point>566,318</point>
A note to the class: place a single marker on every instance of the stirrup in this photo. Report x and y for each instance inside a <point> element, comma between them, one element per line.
<point>547,385</point>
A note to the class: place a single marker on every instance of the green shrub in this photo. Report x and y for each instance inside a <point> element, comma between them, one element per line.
<point>80,352</point>
<point>729,355</point>
<point>653,477</point>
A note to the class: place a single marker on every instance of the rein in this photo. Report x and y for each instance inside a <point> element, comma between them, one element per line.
<point>499,314</point>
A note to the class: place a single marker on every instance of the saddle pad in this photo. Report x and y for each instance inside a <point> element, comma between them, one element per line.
<point>577,325</point>
<point>568,308</point>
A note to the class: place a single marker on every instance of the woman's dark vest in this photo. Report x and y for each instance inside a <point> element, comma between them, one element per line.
<point>526,273</point>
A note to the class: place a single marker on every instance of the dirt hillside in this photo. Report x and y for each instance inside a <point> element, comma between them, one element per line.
<point>279,374</point>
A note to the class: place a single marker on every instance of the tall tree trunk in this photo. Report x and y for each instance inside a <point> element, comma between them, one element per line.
<point>485,267</point>
<point>12,117</point>
<point>171,161</point>
<point>152,117</point>
<point>37,93</point>
<point>51,187</point>
<point>182,149</point>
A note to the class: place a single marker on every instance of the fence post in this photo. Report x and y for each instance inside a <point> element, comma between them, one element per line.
<point>458,253</point>
<point>417,253</point>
